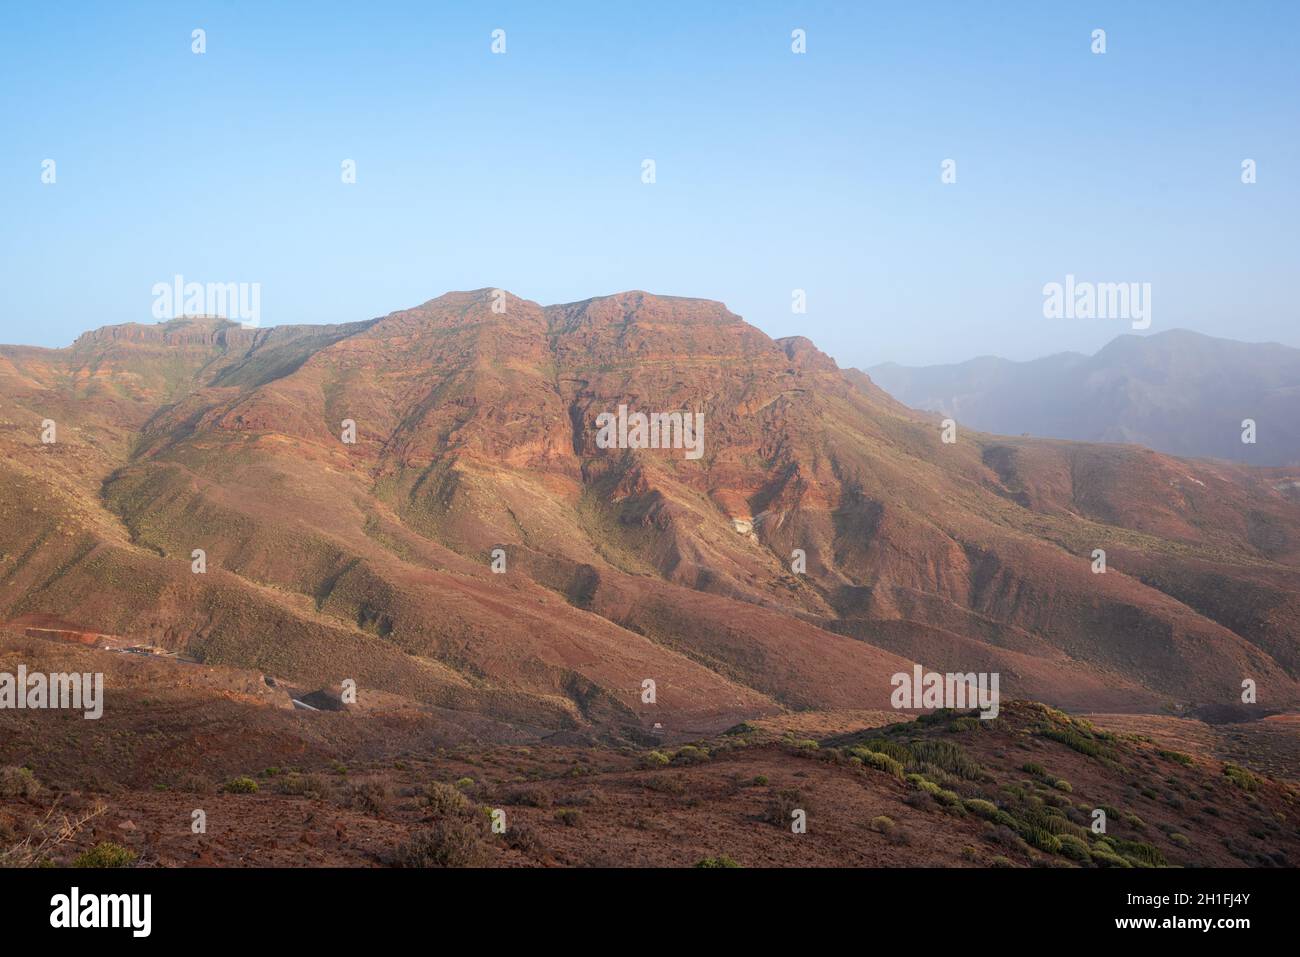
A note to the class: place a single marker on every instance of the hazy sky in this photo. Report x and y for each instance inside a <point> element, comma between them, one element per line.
<point>774,170</point>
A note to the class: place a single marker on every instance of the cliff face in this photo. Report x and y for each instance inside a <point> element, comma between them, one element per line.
<point>475,429</point>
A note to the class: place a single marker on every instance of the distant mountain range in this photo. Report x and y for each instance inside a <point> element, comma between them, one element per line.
<point>1179,392</point>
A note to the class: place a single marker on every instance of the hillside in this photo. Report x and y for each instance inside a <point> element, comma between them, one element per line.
<point>475,431</point>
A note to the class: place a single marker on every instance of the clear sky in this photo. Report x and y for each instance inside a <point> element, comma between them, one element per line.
<point>774,171</point>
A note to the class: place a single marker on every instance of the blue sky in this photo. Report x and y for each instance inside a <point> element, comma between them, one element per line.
<point>774,171</point>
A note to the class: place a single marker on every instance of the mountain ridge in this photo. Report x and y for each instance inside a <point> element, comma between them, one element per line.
<point>1177,391</point>
<point>474,432</point>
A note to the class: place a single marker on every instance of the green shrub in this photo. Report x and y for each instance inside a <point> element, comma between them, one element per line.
<point>106,854</point>
<point>302,785</point>
<point>654,759</point>
<point>1184,759</point>
<point>569,816</point>
<point>1182,840</point>
<point>981,808</point>
<point>1033,768</point>
<point>690,754</point>
<point>1040,838</point>
<point>949,757</point>
<point>882,824</point>
<point>722,860</point>
<point>443,799</point>
<point>1241,777</point>
<point>1083,743</point>
<point>241,786</point>
<point>18,783</point>
<point>895,749</point>
<point>879,762</point>
<point>1075,848</point>
<point>921,783</point>
<point>1104,858</point>
<point>1145,854</point>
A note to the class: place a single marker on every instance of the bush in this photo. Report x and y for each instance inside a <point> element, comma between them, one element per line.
<point>1040,838</point>
<point>524,839</point>
<point>1063,785</point>
<point>568,816</point>
<point>882,824</point>
<point>1083,743</point>
<point>947,798</point>
<point>450,842</point>
<point>530,796</point>
<point>1104,858</point>
<point>722,860</point>
<point>878,761</point>
<point>654,759</point>
<point>690,754</point>
<point>18,783</point>
<point>895,749</point>
<point>241,786</point>
<point>1035,769</point>
<point>1075,848</point>
<point>444,800</point>
<point>922,784</point>
<point>302,785</point>
<point>106,854</point>
<point>1143,853</point>
<point>665,784</point>
<point>369,796</point>
<point>1182,840</point>
<point>782,805</point>
<point>981,808</point>
<point>947,756</point>
<point>1241,777</point>
<point>1183,759</point>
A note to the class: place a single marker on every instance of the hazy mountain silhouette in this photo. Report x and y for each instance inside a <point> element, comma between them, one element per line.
<point>1179,392</point>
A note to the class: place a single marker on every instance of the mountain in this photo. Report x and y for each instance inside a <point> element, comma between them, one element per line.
<point>1178,392</point>
<point>476,443</point>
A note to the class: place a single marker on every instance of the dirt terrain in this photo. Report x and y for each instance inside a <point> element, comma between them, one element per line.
<point>398,784</point>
